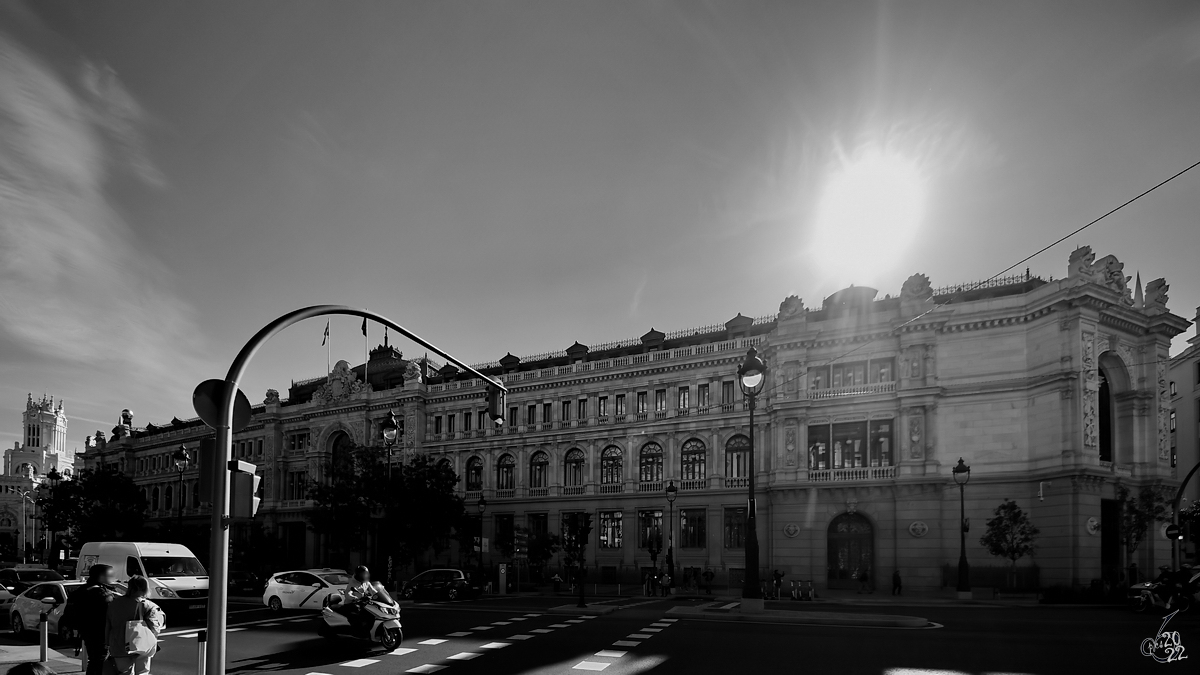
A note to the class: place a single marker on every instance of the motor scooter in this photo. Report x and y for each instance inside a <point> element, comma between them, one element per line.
<point>1146,595</point>
<point>377,619</point>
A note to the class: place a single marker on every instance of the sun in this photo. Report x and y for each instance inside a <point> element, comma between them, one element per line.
<point>869,211</point>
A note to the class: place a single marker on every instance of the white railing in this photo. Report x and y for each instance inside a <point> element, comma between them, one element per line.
<point>505,494</point>
<point>856,390</point>
<point>651,486</point>
<point>694,484</point>
<point>539,492</point>
<point>612,488</point>
<point>473,495</point>
<point>572,490</point>
<point>861,473</point>
<point>737,482</point>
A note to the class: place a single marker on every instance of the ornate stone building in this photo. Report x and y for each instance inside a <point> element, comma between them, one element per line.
<point>26,465</point>
<point>1052,391</point>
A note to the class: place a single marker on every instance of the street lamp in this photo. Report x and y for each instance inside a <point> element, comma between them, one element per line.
<point>52,480</point>
<point>25,498</point>
<point>962,474</point>
<point>390,431</point>
<point>751,377</point>
<point>482,504</point>
<point>672,492</point>
<point>653,547</point>
<point>182,460</point>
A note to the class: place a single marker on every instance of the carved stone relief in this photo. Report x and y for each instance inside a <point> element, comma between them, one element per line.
<point>789,444</point>
<point>343,385</point>
<point>1164,413</point>
<point>914,434</point>
<point>1091,389</point>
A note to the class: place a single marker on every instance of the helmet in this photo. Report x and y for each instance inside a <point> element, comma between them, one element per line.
<point>1164,568</point>
<point>361,573</point>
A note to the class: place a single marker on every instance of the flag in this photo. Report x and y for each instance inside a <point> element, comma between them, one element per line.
<point>324,339</point>
<point>364,325</point>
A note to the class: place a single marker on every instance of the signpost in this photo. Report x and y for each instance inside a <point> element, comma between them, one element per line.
<point>520,552</point>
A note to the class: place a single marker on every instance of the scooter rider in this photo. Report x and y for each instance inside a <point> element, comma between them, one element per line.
<point>358,591</point>
<point>1165,584</point>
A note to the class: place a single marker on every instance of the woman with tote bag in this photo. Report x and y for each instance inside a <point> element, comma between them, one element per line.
<point>132,630</point>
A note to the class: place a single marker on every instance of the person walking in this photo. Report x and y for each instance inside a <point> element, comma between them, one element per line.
<point>777,579</point>
<point>665,581</point>
<point>862,579</point>
<point>708,579</point>
<point>86,613</point>
<point>133,606</point>
<point>896,582</point>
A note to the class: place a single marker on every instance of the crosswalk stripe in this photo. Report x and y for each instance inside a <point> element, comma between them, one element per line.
<point>520,637</point>
<point>541,630</point>
<point>668,620</point>
<point>401,651</point>
<point>433,641</point>
<point>482,628</point>
<point>574,620</point>
<point>651,630</point>
<point>459,634</point>
<point>533,615</point>
<point>494,645</point>
<point>590,665</point>
<point>661,625</point>
<point>730,605</point>
<point>501,623</point>
<point>610,654</point>
<point>359,663</point>
<point>465,656</point>
<point>427,668</point>
<point>639,636</point>
<point>558,625</point>
<point>626,643</point>
<point>517,618</point>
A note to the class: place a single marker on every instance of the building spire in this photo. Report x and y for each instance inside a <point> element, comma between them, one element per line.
<point>1138,301</point>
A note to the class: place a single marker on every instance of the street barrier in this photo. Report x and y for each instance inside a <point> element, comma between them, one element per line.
<point>201,646</point>
<point>44,636</point>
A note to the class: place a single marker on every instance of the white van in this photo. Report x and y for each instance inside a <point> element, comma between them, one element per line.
<point>178,582</point>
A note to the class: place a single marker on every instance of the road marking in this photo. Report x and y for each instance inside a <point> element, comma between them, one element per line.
<point>590,665</point>
<point>730,605</point>
<point>651,630</point>
<point>558,625</point>
<point>541,630</point>
<point>661,624</point>
<point>433,641</point>
<point>187,635</point>
<point>519,637</point>
<point>459,634</point>
<point>494,645</point>
<point>574,620</point>
<point>269,624</point>
<point>228,628</point>
<point>482,628</point>
<point>501,623</point>
<point>533,615</point>
<point>668,620</point>
<point>587,617</point>
<point>464,656</point>
<point>316,673</point>
<point>610,654</point>
<point>518,618</point>
<point>359,663</point>
<point>401,651</point>
<point>640,636</point>
<point>233,630</point>
<point>427,668</point>
<point>626,643</point>
<point>299,620</point>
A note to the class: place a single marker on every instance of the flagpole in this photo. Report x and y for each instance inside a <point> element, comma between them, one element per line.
<point>366,353</point>
<point>327,352</point>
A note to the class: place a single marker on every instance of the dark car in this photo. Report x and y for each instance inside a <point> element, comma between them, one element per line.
<point>451,584</point>
<point>17,580</point>
<point>244,583</point>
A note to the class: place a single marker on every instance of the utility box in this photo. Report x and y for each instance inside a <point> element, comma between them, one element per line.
<point>503,579</point>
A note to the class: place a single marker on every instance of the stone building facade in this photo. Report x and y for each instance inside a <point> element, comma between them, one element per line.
<point>1054,392</point>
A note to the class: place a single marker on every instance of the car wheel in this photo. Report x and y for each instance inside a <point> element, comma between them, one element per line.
<point>17,625</point>
<point>408,593</point>
<point>452,594</point>
<point>275,603</point>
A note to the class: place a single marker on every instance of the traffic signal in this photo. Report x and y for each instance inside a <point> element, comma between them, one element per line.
<point>495,404</point>
<point>243,490</point>
<point>205,456</point>
<point>585,528</point>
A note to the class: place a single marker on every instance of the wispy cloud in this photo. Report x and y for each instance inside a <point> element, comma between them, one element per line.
<point>75,286</point>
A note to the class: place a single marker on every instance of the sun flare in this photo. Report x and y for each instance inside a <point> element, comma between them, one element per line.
<point>868,213</point>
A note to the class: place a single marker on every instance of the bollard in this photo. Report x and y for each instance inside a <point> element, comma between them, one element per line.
<point>201,647</point>
<point>44,636</point>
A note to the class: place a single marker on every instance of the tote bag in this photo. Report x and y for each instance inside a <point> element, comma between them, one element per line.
<point>139,638</point>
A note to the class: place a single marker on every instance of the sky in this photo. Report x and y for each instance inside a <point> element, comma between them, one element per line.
<point>515,176</point>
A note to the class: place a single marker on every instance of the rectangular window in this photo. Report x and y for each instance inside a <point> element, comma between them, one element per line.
<point>531,415</point>
<point>259,449</point>
<point>437,424</point>
<point>727,396</point>
<point>818,447</point>
<point>883,370</point>
<point>620,404</point>
<point>1172,387</point>
<point>539,524</point>
<point>641,402</point>
<point>482,420</point>
<point>566,411</point>
<point>547,412</point>
<point>650,524</point>
<point>581,409</point>
<point>512,417</point>
<point>683,398</point>
<point>881,443</point>
<point>298,442</point>
<point>818,378</point>
<point>1172,421</point>
<point>849,445</point>
<point>504,529</point>
<point>450,423</point>
<point>610,529</point>
<point>602,406</point>
<point>702,400</point>
<point>691,528</point>
<point>850,374</point>
<point>660,400</point>
<point>297,485</point>
<point>467,421</point>
<point>735,528</point>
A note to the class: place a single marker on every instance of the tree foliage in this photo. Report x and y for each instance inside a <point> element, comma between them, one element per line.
<point>1010,534</point>
<point>97,505</point>
<point>577,529</point>
<point>1138,514</point>
<point>412,510</point>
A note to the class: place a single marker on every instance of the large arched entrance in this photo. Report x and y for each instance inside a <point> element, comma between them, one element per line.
<point>1114,439</point>
<point>851,550</point>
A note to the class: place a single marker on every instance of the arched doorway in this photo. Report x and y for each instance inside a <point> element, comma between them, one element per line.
<point>1115,410</point>
<point>850,549</point>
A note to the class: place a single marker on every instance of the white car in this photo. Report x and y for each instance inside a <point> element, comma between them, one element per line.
<point>304,589</point>
<point>50,597</point>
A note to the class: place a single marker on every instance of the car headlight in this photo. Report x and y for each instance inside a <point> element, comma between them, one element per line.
<point>165,592</point>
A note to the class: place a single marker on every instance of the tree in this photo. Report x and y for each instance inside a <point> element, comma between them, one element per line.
<point>1138,514</point>
<point>1009,534</point>
<point>577,529</point>
<point>98,505</point>
<point>540,547</point>
<point>346,500</point>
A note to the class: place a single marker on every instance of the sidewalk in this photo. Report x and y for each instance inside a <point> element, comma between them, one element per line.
<point>11,655</point>
<point>718,611</point>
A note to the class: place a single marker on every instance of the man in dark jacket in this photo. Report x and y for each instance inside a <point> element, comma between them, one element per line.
<point>87,609</point>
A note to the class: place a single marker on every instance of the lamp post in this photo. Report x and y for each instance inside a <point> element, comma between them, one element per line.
<point>390,431</point>
<point>25,499</point>
<point>653,546</point>
<point>751,377</point>
<point>672,492</point>
<point>182,460</point>
<point>52,480</point>
<point>482,504</point>
<point>962,474</point>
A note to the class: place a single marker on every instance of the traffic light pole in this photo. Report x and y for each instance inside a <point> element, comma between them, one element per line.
<point>219,544</point>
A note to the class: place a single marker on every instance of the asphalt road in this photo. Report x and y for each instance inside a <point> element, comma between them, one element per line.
<point>519,636</point>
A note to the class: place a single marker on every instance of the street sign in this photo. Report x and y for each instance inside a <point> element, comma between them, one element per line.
<point>1173,531</point>
<point>206,402</point>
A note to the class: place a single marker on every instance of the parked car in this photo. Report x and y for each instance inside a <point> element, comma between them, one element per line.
<point>447,583</point>
<point>68,568</point>
<point>50,597</point>
<point>18,579</point>
<point>304,589</point>
<point>244,583</point>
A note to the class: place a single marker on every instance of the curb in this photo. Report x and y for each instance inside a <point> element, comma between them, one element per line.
<point>809,618</point>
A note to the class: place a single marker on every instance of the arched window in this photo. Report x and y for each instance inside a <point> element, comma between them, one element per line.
<point>342,451</point>
<point>195,498</point>
<point>573,468</point>
<point>693,460</point>
<point>610,465</point>
<point>169,497</point>
<point>737,457</point>
<point>183,494</point>
<point>504,472</point>
<point>444,464</point>
<point>6,521</point>
<point>539,470</point>
<point>154,499</point>
<point>474,474</point>
<point>650,463</point>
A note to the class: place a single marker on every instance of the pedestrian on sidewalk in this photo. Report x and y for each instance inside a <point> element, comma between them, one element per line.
<point>131,607</point>
<point>86,612</point>
<point>708,579</point>
<point>896,582</point>
<point>777,577</point>
<point>665,581</point>
<point>862,579</point>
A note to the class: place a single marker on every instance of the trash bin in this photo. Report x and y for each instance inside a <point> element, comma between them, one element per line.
<point>557,583</point>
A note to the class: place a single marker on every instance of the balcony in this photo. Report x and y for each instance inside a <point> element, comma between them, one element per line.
<point>660,414</point>
<point>572,490</point>
<point>695,484</point>
<point>505,494</point>
<point>473,496</point>
<point>856,390</point>
<point>603,419</point>
<point>737,482</point>
<point>650,486</point>
<point>861,473</point>
<point>641,417</point>
<point>539,492</point>
<point>612,488</point>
